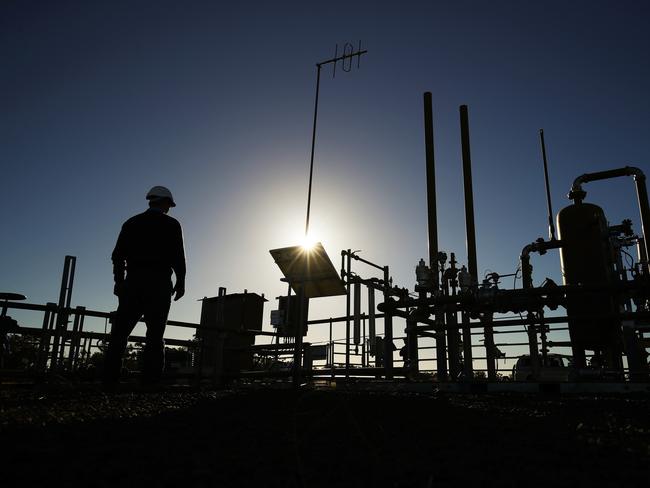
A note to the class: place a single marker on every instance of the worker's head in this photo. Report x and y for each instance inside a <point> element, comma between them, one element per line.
<point>161,198</point>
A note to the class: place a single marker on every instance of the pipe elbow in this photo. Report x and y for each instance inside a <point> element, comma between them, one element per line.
<point>387,307</point>
<point>636,173</point>
<point>525,252</point>
<point>577,183</point>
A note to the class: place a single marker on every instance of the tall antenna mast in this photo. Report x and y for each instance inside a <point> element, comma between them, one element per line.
<point>551,226</point>
<point>348,55</point>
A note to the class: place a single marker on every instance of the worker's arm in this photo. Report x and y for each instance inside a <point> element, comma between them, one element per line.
<point>119,260</point>
<point>178,263</point>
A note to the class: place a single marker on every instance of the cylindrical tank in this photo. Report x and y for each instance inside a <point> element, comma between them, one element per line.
<point>587,259</point>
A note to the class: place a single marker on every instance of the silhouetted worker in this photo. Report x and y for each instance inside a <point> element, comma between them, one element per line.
<point>148,249</point>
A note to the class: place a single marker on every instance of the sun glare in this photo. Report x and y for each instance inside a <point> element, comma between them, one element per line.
<point>308,242</point>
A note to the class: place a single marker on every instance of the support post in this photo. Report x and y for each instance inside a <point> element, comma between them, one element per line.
<point>348,288</point>
<point>388,329</point>
<point>300,327</point>
<point>467,347</point>
<point>412,359</point>
<point>441,347</point>
<point>490,347</point>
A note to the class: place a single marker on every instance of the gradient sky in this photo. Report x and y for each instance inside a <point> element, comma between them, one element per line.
<point>102,100</point>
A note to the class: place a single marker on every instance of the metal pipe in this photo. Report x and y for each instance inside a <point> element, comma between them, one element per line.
<point>577,194</point>
<point>640,250</point>
<point>363,345</point>
<point>551,225</point>
<point>470,227</point>
<point>539,246</point>
<point>357,313</point>
<point>357,258</point>
<point>347,313</point>
<point>644,208</point>
<point>490,347</point>
<point>451,319</point>
<point>371,315</point>
<point>468,361</point>
<point>298,349</point>
<point>469,194</point>
<point>431,188</point>
<point>453,346</point>
<point>533,347</point>
<point>388,330</point>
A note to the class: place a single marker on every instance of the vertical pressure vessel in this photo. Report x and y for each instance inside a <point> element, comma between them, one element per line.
<point>587,259</point>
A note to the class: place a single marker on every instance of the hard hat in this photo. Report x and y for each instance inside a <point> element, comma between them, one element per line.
<point>160,192</point>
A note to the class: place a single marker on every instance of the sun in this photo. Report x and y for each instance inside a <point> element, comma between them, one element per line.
<point>309,242</point>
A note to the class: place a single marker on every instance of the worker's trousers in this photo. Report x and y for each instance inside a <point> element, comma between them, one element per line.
<point>138,298</point>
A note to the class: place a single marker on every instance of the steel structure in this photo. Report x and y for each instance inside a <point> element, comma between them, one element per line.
<point>605,296</point>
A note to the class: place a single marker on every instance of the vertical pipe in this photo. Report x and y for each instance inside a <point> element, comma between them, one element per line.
<point>441,347</point>
<point>542,336</point>
<point>431,187</point>
<point>644,208</point>
<point>63,290</point>
<point>300,324</point>
<point>357,313</point>
<point>533,347</point>
<point>490,347</point>
<point>640,250</point>
<point>82,318</point>
<point>363,344</point>
<point>468,361</point>
<point>371,314</point>
<point>412,359</point>
<point>388,329</point>
<point>472,266</point>
<point>331,351</point>
<point>469,194</point>
<point>451,319</point>
<point>72,265</point>
<point>347,312</point>
<point>453,346</point>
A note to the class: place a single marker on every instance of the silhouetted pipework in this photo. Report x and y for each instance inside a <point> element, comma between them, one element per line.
<point>441,340</point>
<point>551,226</point>
<point>470,229</point>
<point>431,188</point>
<point>577,194</point>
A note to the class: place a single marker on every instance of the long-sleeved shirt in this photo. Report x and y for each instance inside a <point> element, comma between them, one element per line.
<point>150,246</point>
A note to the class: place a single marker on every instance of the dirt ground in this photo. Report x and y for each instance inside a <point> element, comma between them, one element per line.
<point>270,437</point>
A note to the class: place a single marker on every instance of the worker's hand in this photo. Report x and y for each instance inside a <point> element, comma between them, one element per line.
<point>179,291</point>
<point>118,289</point>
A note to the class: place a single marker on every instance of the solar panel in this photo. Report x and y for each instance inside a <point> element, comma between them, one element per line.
<point>311,268</point>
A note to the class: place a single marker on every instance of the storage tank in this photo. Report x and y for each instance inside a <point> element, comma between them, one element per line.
<point>587,259</point>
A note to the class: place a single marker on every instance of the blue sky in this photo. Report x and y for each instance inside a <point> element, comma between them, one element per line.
<point>102,100</point>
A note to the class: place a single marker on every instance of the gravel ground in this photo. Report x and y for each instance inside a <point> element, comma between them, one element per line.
<point>317,438</point>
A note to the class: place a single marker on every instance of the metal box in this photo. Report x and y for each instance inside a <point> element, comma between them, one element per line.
<point>225,320</point>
